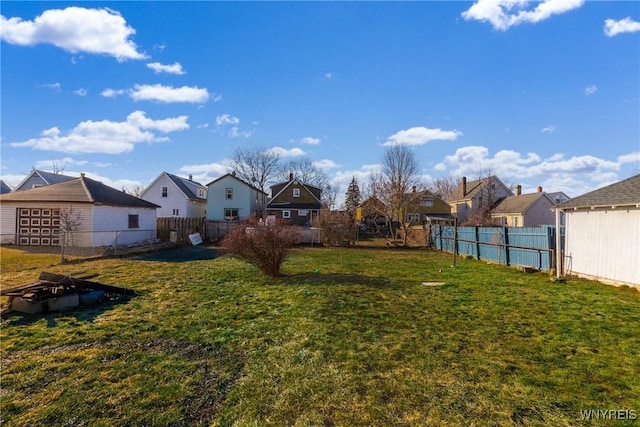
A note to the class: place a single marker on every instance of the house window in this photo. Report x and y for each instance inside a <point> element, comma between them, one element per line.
<point>176,212</point>
<point>302,212</point>
<point>229,194</point>
<point>413,217</point>
<point>286,214</point>
<point>515,221</point>
<point>296,192</point>
<point>427,202</point>
<point>165,191</point>
<point>230,214</point>
<point>133,221</point>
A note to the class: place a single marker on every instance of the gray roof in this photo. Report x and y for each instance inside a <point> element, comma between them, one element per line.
<point>621,193</point>
<point>4,188</point>
<point>78,190</point>
<point>181,184</point>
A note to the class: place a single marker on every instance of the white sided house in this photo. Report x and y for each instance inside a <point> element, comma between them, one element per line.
<point>177,197</point>
<point>231,199</point>
<point>602,234</point>
<point>85,212</point>
<point>525,210</point>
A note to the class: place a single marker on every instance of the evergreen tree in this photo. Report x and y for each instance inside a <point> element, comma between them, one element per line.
<point>352,197</point>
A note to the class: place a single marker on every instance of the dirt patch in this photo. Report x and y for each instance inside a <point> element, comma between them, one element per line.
<point>181,254</point>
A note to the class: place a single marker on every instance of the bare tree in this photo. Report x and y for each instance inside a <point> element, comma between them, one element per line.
<point>304,170</point>
<point>56,168</point>
<point>137,190</point>
<point>444,187</point>
<point>396,186</point>
<point>256,166</point>
<point>487,196</point>
<point>329,196</point>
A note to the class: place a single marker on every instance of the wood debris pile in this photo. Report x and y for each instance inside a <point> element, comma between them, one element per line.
<point>55,292</point>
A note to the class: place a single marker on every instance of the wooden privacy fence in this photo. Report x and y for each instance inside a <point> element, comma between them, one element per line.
<point>177,230</point>
<point>520,246</point>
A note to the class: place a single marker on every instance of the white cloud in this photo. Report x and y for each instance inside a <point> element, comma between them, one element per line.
<point>574,175</point>
<point>629,158</point>
<point>328,75</point>
<point>54,86</point>
<point>421,135</point>
<point>216,97</point>
<point>106,136</point>
<point>626,25</point>
<point>503,14</point>
<point>549,129</point>
<point>326,164</point>
<point>283,152</point>
<point>75,29</point>
<point>175,68</point>
<point>206,173</point>
<point>590,90</point>
<point>169,94</point>
<point>112,93</point>
<point>235,132</point>
<point>80,92</point>
<point>307,140</point>
<point>227,119</point>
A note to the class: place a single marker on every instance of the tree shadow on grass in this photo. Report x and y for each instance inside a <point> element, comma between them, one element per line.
<point>335,279</point>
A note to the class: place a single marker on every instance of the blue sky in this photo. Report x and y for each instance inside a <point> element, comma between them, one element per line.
<point>540,93</point>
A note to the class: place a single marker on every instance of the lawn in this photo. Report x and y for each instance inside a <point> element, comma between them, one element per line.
<point>349,337</point>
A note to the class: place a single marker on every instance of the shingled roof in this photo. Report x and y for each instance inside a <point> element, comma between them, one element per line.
<point>4,188</point>
<point>181,183</point>
<point>473,188</point>
<point>78,190</point>
<point>621,193</point>
<point>518,204</point>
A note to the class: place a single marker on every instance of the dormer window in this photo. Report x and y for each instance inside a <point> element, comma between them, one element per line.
<point>296,192</point>
<point>165,191</point>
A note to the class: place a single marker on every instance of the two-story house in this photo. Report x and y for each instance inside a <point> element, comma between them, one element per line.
<point>427,208</point>
<point>177,197</point>
<point>525,210</point>
<point>295,201</point>
<point>477,196</point>
<point>231,199</point>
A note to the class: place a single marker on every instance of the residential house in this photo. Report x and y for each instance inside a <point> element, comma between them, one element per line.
<point>602,233</point>
<point>474,196</point>
<point>4,188</point>
<point>427,208</point>
<point>295,201</point>
<point>558,197</point>
<point>370,213</point>
<point>177,197</point>
<point>38,178</point>
<point>525,210</point>
<point>229,198</point>
<point>95,214</point>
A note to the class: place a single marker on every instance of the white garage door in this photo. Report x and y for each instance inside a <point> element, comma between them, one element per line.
<point>39,227</point>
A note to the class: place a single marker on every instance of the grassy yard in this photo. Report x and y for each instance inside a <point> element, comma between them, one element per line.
<point>350,337</point>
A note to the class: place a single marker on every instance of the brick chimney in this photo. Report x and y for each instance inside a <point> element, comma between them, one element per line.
<point>518,190</point>
<point>539,189</point>
<point>415,188</point>
<point>290,176</point>
<point>190,177</point>
<point>463,183</point>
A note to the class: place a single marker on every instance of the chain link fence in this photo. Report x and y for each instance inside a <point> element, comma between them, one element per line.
<point>24,251</point>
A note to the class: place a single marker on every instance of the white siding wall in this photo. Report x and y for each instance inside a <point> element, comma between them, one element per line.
<point>81,237</point>
<point>112,225</point>
<point>604,245</point>
<point>175,198</point>
<point>194,210</point>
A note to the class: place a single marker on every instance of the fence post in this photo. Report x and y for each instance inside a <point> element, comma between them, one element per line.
<point>477,234</point>
<point>505,230</point>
